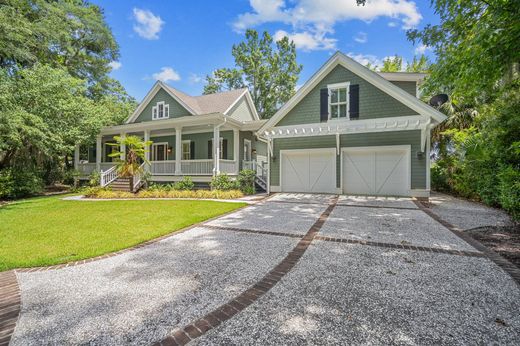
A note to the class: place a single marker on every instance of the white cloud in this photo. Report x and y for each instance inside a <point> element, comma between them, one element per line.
<point>365,59</point>
<point>195,78</point>
<point>115,65</point>
<point>308,41</point>
<point>361,37</point>
<point>318,17</point>
<point>148,25</point>
<point>392,24</point>
<point>167,74</point>
<point>422,49</point>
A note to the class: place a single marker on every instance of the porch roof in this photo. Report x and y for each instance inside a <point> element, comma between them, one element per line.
<point>185,121</point>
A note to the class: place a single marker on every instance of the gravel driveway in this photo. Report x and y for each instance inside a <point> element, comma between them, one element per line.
<point>367,292</point>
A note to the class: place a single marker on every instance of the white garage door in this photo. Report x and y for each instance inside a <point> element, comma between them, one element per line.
<point>376,171</point>
<point>309,171</point>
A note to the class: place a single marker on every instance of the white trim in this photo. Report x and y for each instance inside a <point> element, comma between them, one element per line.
<point>336,86</point>
<point>419,193</point>
<point>184,141</point>
<point>403,76</point>
<point>250,102</point>
<point>407,148</point>
<point>314,150</point>
<point>275,188</point>
<point>370,76</point>
<point>428,161</point>
<point>154,145</point>
<point>155,89</point>
<point>414,122</point>
<point>165,109</point>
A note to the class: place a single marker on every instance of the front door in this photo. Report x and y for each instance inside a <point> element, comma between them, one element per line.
<point>159,152</point>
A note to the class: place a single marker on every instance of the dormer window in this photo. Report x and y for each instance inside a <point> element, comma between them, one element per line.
<point>338,101</point>
<point>160,111</point>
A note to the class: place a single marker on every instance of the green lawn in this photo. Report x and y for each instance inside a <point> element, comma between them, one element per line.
<point>47,230</point>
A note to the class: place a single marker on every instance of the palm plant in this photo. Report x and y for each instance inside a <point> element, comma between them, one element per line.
<point>135,155</point>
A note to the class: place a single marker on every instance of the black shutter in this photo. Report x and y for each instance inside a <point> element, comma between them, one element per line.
<point>224,149</point>
<point>210,149</point>
<point>354,101</point>
<point>192,150</point>
<point>324,104</point>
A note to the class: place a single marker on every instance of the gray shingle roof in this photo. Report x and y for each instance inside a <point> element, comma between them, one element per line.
<point>212,103</point>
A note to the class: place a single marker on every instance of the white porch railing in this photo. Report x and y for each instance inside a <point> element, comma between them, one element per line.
<point>108,176</point>
<point>162,167</point>
<point>138,178</point>
<point>197,167</point>
<point>259,167</point>
<point>228,166</point>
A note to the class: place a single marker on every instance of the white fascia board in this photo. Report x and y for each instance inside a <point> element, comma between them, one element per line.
<point>403,76</point>
<point>370,76</point>
<point>189,120</point>
<point>413,122</point>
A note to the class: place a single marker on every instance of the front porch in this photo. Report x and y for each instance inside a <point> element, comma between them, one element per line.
<point>196,150</point>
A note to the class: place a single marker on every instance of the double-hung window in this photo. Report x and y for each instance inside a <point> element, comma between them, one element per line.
<point>338,101</point>
<point>186,150</point>
<point>160,111</point>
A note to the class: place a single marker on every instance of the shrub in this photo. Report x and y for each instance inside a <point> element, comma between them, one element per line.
<point>94,179</point>
<point>509,191</point>
<point>223,182</point>
<point>17,183</point>
<point>246,181</point>
<point>104,193</point>
<point>184,184</point>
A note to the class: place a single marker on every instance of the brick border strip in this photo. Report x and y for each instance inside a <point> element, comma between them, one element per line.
<point>10,302</point>
<point>401,246</point>
<point>254,231</point>
<point>120,252</point>
<point>500,261</point>
<point>347,205</point>
<point>252,294</point>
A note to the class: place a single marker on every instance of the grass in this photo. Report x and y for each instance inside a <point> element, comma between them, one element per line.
<point>48,230</point>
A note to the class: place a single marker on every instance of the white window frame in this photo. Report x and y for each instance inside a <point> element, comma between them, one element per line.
<point>221,152</point>
<point>155,111</point>
<point>154,152</point>
<point>189,149</point>
<point>330,87</point>
<point>250,150</point>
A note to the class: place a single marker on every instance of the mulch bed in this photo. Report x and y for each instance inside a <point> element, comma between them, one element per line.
<point>503,240</point>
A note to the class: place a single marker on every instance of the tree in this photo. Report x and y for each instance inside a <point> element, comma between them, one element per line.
<point>135,153</point>
<point>269,74</point>
<point>392,64</point>
<point>477,47</point>
<point>421,64</point>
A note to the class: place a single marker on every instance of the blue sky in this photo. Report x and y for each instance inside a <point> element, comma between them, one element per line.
<point>181,42</point>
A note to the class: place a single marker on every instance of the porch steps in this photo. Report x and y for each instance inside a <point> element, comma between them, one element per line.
<point>122,184</point>
<point>260,184</point>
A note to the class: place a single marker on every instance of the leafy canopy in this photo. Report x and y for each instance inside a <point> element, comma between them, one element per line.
<point>270,73</point>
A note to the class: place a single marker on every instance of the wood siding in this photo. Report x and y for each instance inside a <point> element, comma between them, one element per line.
<point>176,110</point>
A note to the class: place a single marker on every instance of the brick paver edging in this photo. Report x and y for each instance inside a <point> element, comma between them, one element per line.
<point>402,246</point>
<point>503,263</point>
<point>9,305</point>
<point>252,294</point>
<point>120,252</point>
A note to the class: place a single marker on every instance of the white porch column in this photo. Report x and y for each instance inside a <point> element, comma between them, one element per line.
<point>147,150</point>
<point>178,150</point>
<point>123,147</point>
<point>216,149</point>
<point>99,153</point>
<point>236,149</point>
<point>76,157</point>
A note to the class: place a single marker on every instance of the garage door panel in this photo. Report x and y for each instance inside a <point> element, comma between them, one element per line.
<point>375,172</point>
<point>309,171</point>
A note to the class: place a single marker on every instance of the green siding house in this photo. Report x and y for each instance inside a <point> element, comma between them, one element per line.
<point>347,130</point>
<point>351,130</point>
<point>196,136</point>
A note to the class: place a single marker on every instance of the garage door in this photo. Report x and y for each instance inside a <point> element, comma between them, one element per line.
<point>376,171</point>
<point>309,171</point>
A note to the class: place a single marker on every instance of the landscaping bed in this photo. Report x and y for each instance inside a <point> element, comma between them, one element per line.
<point>503,240</point>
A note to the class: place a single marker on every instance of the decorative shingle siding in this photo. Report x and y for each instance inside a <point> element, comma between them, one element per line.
<point>409,87</point>
<point>373,103</point>
<point>241,111</point>
<point>413,138</point>
<point>176,110</point>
